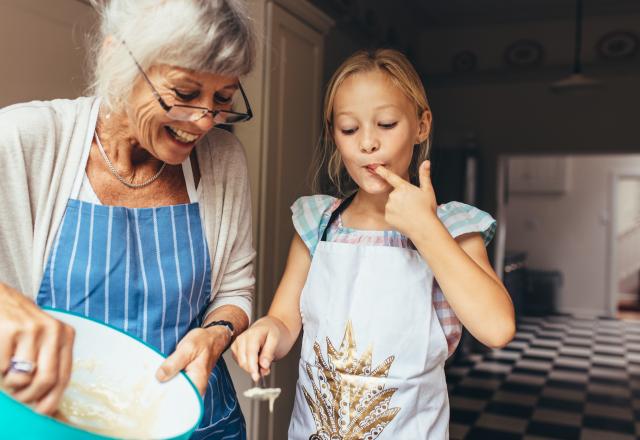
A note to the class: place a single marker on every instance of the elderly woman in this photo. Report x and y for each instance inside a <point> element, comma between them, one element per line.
<point>130,207</point>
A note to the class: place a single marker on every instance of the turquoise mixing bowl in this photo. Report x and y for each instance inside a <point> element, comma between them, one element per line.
<point>113,393</point>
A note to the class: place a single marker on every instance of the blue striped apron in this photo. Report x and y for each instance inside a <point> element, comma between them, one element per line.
<point>146,271</point>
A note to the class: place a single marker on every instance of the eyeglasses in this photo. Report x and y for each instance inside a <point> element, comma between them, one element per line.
<point>192,113</point>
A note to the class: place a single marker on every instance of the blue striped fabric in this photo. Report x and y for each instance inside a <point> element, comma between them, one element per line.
<point>126,262</point>
<point>146,271</point>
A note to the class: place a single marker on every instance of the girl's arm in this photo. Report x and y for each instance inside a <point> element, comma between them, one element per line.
<point>270,338</point>
<point>469,283</point>
<point>460,265</point>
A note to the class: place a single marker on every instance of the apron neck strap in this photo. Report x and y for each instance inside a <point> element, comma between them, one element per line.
<point>334,215</point>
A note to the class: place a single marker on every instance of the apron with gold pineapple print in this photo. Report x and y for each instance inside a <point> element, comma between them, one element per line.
<point>373,350</point>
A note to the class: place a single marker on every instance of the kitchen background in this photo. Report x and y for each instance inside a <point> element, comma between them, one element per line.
<point>554,157</point>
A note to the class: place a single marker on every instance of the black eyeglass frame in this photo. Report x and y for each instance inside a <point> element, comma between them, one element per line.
<point>166,107</point>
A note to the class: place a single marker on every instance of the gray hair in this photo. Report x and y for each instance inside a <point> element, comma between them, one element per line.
<point>214,36</point>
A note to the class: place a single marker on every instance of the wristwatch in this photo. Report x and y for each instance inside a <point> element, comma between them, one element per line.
<point>226,324</point>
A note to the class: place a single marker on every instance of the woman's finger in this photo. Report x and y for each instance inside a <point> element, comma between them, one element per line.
<point>7,347</point>
<point>175,363</point>
<point>47,373</point>
<point>25,354</point>
<point>66,355</point>
<point>199,373</point>
<point>49,403</point>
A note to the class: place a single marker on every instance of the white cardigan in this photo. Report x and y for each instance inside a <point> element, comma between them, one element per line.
<point>41,150</point>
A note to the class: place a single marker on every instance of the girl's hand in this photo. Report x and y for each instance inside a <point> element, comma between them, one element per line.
<point>196,354</point>
<point>32,337</point>
<point>409,208</point>
<point>260,340</point>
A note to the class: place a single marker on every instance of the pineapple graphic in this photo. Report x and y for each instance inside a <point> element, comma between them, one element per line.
<point>349,400</point>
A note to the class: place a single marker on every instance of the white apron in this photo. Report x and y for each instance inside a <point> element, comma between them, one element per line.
<point>373,350</point>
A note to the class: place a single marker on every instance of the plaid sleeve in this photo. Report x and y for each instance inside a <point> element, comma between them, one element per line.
<point>451,326</point>
<point>461,219</point>
<point>310,215</point>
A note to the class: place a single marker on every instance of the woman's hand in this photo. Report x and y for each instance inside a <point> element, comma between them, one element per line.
<point>32,337</point>
<point>410,207</point>
<point>254,350</point>
<point>196,354</point>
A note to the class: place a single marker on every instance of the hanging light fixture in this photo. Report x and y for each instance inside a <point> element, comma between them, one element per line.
<point>577,81</point>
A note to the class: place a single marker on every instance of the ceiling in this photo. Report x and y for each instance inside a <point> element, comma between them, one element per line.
<point>487,28</point>
<point>436,13</point>
<point>470,12</point>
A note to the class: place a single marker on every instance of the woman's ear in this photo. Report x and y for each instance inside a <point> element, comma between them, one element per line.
<point>108,45</point>
<point>424,126</point>
<point>108,41</point>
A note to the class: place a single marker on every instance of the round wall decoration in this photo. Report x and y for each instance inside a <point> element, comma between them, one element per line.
<point>617,45</point>
<point>464,61</point>
<point>524,53</point>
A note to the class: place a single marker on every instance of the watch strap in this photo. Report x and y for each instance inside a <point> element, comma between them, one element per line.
<point>223,323</point>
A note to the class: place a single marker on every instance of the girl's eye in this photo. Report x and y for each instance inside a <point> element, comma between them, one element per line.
<point>186,96</point>
<point>348,131</point>
<point>388,126</point>
<point>221,99</point>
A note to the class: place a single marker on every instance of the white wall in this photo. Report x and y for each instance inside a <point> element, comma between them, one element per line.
<point>42,46</point>
<point>627,244</point>
<point>568,232</point>
<point>628,215</point>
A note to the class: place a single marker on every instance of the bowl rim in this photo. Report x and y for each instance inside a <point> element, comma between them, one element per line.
<point>67,425</point>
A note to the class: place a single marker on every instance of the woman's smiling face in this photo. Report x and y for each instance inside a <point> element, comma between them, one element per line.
<point>167,139</point>
<point>374,124</point>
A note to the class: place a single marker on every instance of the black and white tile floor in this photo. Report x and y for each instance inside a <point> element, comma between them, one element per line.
<point>560,378</point>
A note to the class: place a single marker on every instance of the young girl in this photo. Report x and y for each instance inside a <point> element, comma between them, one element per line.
<point>360,277</point>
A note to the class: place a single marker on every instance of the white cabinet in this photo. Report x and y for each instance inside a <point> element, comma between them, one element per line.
<point>286,94</point>
<point>539,175</point>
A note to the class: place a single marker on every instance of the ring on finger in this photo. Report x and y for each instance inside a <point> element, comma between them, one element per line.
<point>22,366</point>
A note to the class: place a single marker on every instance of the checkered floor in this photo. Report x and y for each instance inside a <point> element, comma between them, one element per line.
<point>560,378</point>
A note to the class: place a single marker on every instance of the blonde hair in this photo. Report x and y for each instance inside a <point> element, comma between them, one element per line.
<point>329,173</point>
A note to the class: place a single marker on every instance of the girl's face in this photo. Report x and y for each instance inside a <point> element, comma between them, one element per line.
<point>375,124</point>
<point>164,138</point>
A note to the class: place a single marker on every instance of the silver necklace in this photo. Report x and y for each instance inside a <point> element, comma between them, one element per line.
<point>114,171</point>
